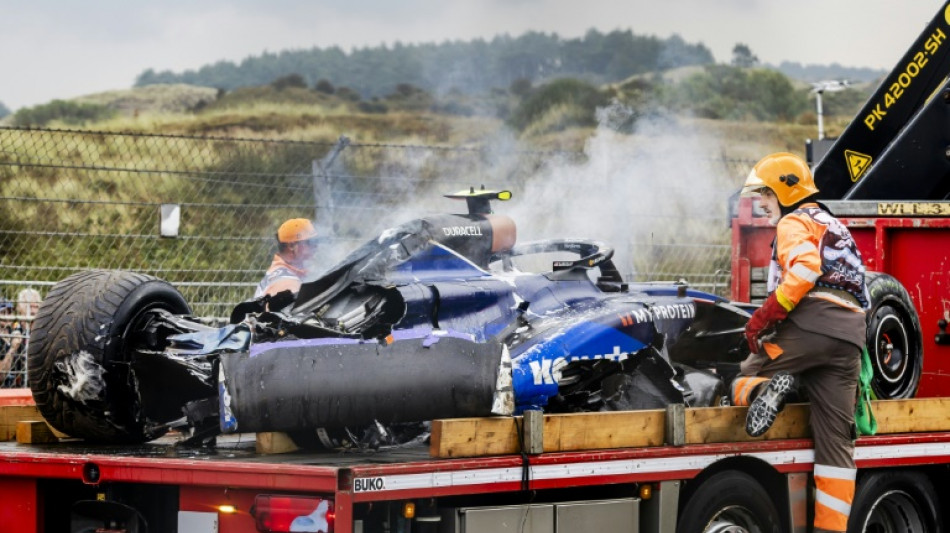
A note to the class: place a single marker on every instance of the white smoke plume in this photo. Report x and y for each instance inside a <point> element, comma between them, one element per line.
<point>658,194</point>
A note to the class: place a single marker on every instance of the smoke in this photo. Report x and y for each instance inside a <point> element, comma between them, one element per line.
<point>657,192</point>
<point>657,188</point>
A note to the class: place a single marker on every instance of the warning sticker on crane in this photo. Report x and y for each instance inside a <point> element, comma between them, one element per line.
<point>858,163</point>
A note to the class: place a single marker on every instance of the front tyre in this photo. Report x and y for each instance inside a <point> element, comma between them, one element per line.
<point>895,502</point>
<point>729,502</point>
<point>81,352</point>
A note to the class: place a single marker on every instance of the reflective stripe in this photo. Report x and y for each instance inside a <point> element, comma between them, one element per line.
<point>836,472</point>
<point>785,302</point>
<point>827,519</point>
<point>805,273</point>
<point>833,503</point>
<point>744,387</point>
<point>800,249</point>
<point>269,282</point>
<point>834,493</point>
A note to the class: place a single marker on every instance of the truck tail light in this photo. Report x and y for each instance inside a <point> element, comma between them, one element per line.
<point>278,513</point>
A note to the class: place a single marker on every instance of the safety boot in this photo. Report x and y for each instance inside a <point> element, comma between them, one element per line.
<point>768,404</point>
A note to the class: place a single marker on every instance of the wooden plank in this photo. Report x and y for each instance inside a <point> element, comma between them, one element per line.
<point>475,437</point>
<point>911,415</point>
<point>274,443</point>
<point>34,432</point>
<point>706,425</point>
<point>11,414</point>
<point>592,431</point>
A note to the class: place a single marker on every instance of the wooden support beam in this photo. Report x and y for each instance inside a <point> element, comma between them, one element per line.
<point>914,415</point>
<point>474,437</point>
<point>533,431</point>
<point>11,414</point>
<point>706,425</point>
<point>34,432</point>
<point>675,424</point>
<point>274,443</point>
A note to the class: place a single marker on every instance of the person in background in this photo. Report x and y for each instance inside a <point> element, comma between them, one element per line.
<point>811,329</point>
<point>12,360</point>
<point>16,331</point>
<point>28,303</point>
<point>296,244</point>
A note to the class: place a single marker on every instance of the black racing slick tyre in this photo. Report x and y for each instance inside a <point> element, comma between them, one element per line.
<point>729,502</point>
<point>894,338</point>
<point>898,501</point>
<point>80,353</point>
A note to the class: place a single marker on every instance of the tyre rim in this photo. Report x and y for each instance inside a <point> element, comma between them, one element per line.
<point>891,350</point>
<point>733,519</point>
<point>895,511</point>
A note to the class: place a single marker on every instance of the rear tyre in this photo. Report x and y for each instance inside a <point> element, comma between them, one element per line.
<point>895,502</point>
<point>729,502</point>
<point>894,338</point>
<point>81,350</point>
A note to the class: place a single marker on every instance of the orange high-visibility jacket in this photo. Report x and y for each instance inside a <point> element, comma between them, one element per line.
<point>813,249</point>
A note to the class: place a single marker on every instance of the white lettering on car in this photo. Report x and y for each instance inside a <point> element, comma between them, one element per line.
<point>548,371</point>
<point>462,231</point>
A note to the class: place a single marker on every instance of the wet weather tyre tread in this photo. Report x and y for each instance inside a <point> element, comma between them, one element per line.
<point>724,490</point>
<point>890,300</point>
<point>878,503</point>
<point>89,312</point>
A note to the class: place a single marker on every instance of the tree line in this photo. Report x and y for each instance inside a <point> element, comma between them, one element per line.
<point>469,67</point>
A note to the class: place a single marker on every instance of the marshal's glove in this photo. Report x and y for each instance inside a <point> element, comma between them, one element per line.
<point>764,317</point>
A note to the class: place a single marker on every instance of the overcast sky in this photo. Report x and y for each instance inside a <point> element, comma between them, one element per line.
<point>66,48</point>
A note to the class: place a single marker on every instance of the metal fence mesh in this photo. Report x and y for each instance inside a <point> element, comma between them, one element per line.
<point>78,200</point>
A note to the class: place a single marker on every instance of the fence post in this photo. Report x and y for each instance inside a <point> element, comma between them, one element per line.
<point>323,186</point>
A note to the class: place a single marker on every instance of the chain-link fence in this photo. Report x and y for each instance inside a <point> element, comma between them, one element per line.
<point>201,212</point>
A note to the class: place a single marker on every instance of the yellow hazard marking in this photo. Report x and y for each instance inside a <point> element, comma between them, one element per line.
<point>858,163</point>
<point>902,78</point>
<point>946,14</point>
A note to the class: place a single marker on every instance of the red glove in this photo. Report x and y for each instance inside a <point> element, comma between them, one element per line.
<point>764,317</point>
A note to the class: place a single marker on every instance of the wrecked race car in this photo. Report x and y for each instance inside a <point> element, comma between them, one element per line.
<point>432,319</point>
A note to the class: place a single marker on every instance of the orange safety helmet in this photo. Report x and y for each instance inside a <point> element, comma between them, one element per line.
<point>786,174</point>
<point>295,230</point>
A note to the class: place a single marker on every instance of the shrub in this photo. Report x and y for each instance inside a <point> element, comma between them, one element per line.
<point>583,97</point>
<point>324,86</point>
<point>290,80</point>
<point>372,107</point>
<point>727,92</point>
<point>348,94</point>
<point>72,113</point>
<point>520,87</point>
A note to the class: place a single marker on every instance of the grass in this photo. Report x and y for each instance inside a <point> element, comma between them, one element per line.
<point>301,115</point>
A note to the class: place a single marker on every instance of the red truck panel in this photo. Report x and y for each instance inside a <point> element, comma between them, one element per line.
<point>19,510</point>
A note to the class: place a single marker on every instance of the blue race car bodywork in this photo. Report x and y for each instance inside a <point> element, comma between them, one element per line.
<point>435,318</point>
<point>432,320</point>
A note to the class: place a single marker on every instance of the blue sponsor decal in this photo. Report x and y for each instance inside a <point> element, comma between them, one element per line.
<point>535,372</point>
